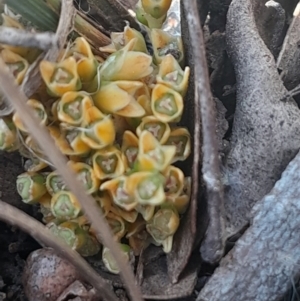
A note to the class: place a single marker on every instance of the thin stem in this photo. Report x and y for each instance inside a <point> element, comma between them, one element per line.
<point>42,136</point>
<point>213,245</point>
<point>38,231</point>
<point>18,37</point>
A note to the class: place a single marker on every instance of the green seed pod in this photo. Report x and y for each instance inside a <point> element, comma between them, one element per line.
<point>110,262</point>
<point>77,238</point>
<point>55,183</point>
<point>31,186</point>
<point>86,175</point>
<point>65,206</point>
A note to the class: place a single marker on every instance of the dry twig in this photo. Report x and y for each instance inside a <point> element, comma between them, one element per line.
<point>212,246</point>
<point>38,231</point>
<point>18,37</point>
<point>41,135</point>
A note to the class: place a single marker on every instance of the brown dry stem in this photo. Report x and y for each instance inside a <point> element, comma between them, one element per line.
<point>212,246</point>
<point>41,135</point>
<point>38,231</point>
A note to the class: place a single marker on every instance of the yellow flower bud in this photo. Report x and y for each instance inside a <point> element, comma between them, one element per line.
<point>152,155</point>
<point>132,34</point>
<point>171,75</point>
<point>108,163</point>
<point>181,139</point>
<point>166,103</point>
<point>65,206</point>
<point>181,202</point>
<point>72,107</point>
<point>85,60</point>
<point>156,8</point>
<point>146,187</point>
<point>99,130</point>
<point>39,111</point>
<point>160,130</point>
<point>122,93</point>
<point>126,64</point>
<point>60,77</point>
<point>119,193</point>
<point>130,148</point>
<point>86,175</point>
<point>69,141</point>
<point>164,43</point>
<point>174,181</point>
<point>17,65</point>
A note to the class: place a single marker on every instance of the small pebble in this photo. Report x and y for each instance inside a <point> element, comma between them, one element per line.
<point>46,275</point>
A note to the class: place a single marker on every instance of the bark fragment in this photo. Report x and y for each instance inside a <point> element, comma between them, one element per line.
<point>265,260</point>
<point>266,131</point>
<point>289,57</point>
